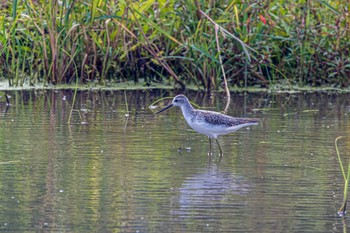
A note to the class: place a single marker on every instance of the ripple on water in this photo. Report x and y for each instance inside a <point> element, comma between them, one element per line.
<point>119,173</point>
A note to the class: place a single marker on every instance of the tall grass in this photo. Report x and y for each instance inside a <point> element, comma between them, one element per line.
<point>260,43</point>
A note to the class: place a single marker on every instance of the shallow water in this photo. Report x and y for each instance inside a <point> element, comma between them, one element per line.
<point>118,167</point>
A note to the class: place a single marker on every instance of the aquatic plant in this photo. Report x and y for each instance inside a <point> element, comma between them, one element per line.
<point>215,44</point>
<point>342,209</point>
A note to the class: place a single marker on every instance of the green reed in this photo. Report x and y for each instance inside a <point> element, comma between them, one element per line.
<point>346,178</point>
<point>176,42</point>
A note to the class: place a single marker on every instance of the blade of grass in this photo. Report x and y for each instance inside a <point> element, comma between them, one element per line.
<point>150,49</point>
<point>228,95</point>
<point>157,27</point>
<point>205,53</point>
<point>342,209</point>
<point>339,159</point>
<point>14,9</point>
<point>225,32</point>
<point>329,6</point>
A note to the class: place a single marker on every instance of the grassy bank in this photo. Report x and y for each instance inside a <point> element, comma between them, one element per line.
<point>261,43</point>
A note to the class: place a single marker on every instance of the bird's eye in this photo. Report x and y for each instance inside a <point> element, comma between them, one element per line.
<point>176,100</point>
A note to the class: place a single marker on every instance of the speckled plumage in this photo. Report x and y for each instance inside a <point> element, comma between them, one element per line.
<point>212,124</point>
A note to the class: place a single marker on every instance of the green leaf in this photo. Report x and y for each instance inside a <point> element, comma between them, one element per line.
<point>329,6</point>
<point>205,53</point>
<point>157,27</point>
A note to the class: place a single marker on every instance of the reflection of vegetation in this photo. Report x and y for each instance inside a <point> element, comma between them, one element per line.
<point>342,209</point>
<point>100,176</point>
<point>6,97</point>
<point>294,42</point>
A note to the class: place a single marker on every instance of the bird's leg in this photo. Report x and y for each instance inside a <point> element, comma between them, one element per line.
<point>219,147</point>
<point>209,146</point>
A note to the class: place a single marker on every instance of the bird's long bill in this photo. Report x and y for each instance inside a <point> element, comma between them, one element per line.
<point>167,107</point>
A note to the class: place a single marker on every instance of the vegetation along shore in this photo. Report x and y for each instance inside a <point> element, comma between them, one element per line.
<point>206,44</point>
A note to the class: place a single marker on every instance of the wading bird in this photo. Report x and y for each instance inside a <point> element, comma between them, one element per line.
<point>212,124</point>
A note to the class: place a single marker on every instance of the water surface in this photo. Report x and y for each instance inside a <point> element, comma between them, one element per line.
<point>118,167</point>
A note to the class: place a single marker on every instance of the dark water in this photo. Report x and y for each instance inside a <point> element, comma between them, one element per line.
<point>106,172</point>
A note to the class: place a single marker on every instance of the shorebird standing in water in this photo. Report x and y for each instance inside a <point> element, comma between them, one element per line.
<point>212,124</point>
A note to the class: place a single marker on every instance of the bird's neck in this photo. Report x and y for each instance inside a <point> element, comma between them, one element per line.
<point>187,109</point>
